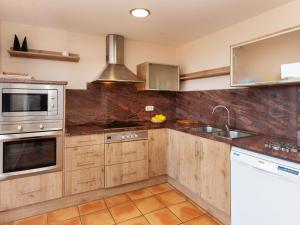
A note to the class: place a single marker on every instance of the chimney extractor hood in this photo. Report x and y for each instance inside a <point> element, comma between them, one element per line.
<point>115,70</point>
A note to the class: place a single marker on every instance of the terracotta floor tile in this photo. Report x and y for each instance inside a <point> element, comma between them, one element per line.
<point>98,218</point>
<point>73,221</point>
<point>171,198</point>
<point>116,200</point>
<point>34,220</point>
<point>90,207</point>
<point>147,205</point>
<point>136,221</point>
<point>62,214</point>
<point>162,217</point>
<point>160,188</point>
<point>186,211</point>
<point>138,194</point>
<point>124,212</point>
<point>202,220</point>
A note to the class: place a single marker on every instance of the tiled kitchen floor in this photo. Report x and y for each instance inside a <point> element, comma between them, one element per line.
<point>156,205</point>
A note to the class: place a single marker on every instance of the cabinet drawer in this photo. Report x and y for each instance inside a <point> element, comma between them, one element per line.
<point>126,173</point>
<point>126,152</point>
<point>83,140</point>
<point>30,190</point>
<point>84,180</point>
<point>82,157</point>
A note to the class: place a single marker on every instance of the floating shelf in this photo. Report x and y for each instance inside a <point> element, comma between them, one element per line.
<point>42,54</point>
<point>206,73</point>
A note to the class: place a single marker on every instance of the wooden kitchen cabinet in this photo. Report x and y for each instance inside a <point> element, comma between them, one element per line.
<point>125,173</point>
<point>158,143</point>
<point>84,180</point>
<point>123,152</point>
<point>173,153</point>
<point>126,162</point>
<point>202,166</point>
<point>82,157</point>
<point>84,140</point>
<point>29,190</point>
<point>84,163</point>
<point>215,174</point>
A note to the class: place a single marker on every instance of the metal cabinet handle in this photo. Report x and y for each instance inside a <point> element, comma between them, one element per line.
<point>129,174</point>
<point>29,192</point>
<point>85,164</point>
<point>85,153</point>
<point>129,153</point>
<point>88,181</point>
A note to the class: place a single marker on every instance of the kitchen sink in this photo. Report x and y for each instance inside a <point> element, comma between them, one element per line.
<point>233,134</point>
<point>206,129</point>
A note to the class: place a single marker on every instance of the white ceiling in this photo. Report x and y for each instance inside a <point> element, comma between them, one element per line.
<point>171,22</point>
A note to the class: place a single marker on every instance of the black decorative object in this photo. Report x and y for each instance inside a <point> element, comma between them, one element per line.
<point>24,47</point>
<point>16,46</point>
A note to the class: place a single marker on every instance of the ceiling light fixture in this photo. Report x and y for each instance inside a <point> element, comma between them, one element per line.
<point>140,12</point>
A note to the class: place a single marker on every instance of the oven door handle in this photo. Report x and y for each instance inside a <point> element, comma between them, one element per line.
<point>30,135</point>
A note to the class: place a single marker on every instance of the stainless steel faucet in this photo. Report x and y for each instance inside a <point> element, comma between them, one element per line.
<point>228,115</point>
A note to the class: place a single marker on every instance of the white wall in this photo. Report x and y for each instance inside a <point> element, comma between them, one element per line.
<point>91,49</point>
<point>213,51</point>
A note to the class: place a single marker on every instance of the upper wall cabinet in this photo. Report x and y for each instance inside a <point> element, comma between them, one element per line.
<point>270,60</point>
<point>158,77</point>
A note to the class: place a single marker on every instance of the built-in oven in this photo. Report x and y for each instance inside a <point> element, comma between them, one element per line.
<point>31,102</point>
<point>30,153</point>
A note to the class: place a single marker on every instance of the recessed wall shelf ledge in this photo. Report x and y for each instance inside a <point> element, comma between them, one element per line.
<point>206,73</point>
<point>42,54</point>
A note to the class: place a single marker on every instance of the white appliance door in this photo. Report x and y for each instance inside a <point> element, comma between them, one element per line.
<point>263,192</point>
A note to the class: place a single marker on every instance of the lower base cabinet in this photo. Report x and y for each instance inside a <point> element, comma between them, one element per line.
<point>29,190</point>
<point>84,180</point>
<point>125,173</point>
<point>202,166</point>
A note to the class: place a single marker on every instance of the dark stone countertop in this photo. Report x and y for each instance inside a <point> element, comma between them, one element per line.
<point>255,143</point>
<point>29,81</point>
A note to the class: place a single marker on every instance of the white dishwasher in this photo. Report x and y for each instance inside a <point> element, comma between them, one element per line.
<point>264,190</point>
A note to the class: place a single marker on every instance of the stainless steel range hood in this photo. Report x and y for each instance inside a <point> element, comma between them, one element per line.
<point>115,70</point>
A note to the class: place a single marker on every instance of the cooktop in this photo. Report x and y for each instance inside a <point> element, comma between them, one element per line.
<point>115,124</point>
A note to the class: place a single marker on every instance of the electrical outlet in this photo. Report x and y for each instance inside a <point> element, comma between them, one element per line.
<point>149,108</point>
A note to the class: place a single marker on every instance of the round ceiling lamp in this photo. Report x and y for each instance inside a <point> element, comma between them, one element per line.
<point>140,12</point>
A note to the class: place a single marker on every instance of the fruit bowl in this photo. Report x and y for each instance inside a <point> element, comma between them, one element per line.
<point>157,121</point>
<point>158,118</point>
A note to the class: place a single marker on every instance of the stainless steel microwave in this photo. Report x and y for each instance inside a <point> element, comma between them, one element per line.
<point>31,102</point>
<point>30,153</point>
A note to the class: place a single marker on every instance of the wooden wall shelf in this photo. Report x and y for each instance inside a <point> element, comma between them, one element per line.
<point>206,73</point>
<point>41,54</point>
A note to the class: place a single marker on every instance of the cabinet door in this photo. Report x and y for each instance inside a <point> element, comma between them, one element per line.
<point>158,142</point>
<point>173,154</point>
<point>125,173</point>
<point>29,190</point>
<point>215,174</point>
<point>126,152</point>
<point>190,161</point>
<point>84,180</point>
<point>82,157</point>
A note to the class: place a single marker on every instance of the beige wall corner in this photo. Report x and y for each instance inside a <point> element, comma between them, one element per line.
<point>213,51</point>
<point>91,49</point>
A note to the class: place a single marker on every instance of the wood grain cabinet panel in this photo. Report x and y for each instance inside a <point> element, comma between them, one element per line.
<point>84,180</point>
<point>82,157</point>
<point>126,152</point>
<point>173,153</point>
<point>158,143</point>
<point>125,173</point>
<point>215,174</point>
<point>29,190</point>
<point>202,166</point>
<point>84,140</point>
